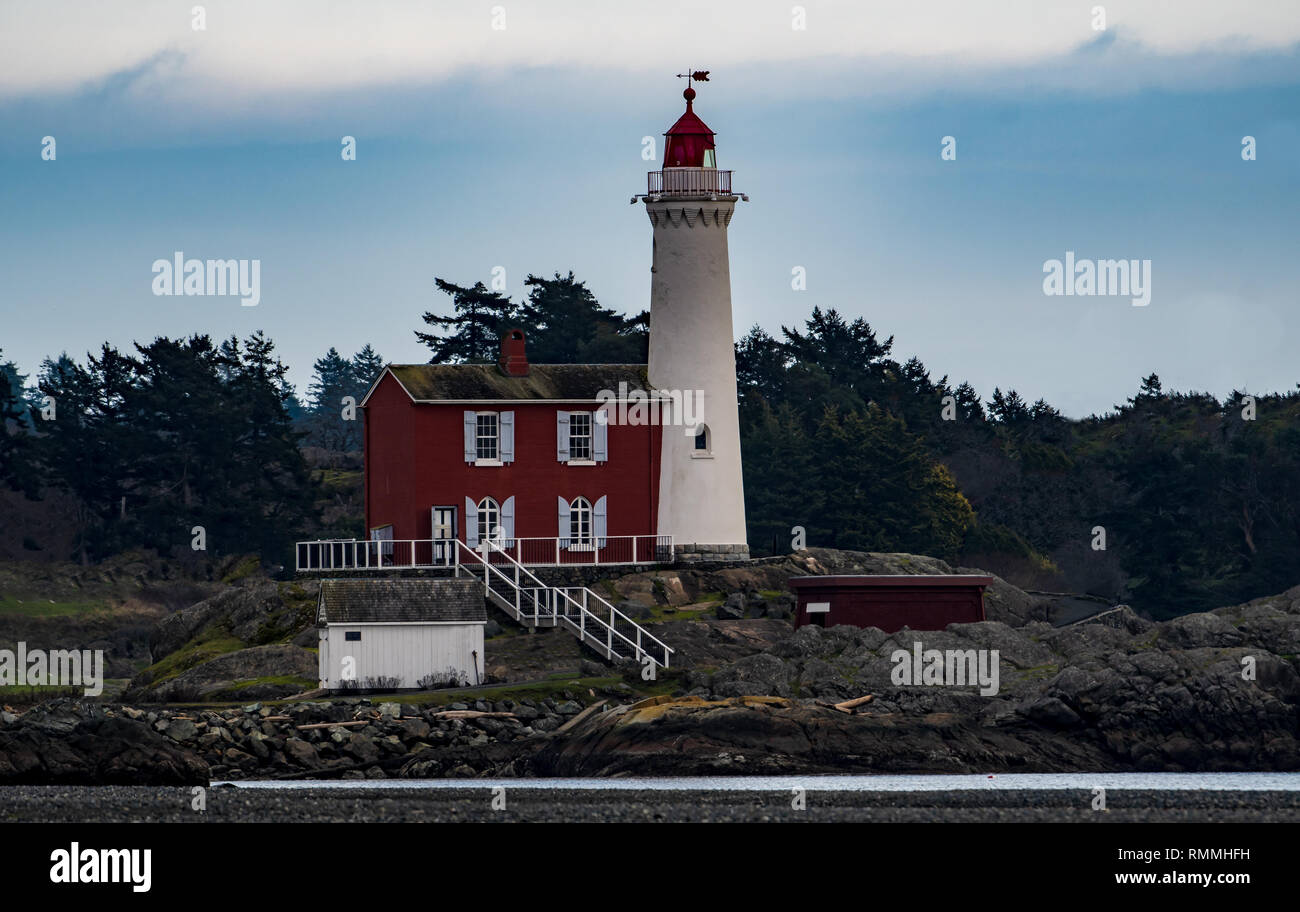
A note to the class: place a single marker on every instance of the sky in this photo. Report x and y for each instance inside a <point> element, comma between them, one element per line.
<point>510,134</point>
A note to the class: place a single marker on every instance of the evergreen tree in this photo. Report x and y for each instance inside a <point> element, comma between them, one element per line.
<point>777,466</point>
<point>565,324</point>
<point>471,335</point>
<point>333,378</point>
<point>367,365</point>
<point>16,471</point>
<point>275,490</point>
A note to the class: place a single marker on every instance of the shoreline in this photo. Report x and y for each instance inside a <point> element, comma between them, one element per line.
<point>235,804</point>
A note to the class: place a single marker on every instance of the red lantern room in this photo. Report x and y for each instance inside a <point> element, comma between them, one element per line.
<point>689,142</point>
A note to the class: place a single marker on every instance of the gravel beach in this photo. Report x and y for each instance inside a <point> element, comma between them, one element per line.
<point>67,804</point>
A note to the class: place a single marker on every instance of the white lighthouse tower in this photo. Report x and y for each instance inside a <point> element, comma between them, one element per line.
<point>690,204</point>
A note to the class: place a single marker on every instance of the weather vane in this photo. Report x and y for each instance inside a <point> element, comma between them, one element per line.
<point>694,76</point>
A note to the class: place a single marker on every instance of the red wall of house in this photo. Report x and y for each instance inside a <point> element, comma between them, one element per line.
<point>917,602</point>
<point>414,460</point>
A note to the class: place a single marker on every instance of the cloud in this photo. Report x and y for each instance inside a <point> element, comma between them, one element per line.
<point>252,48</point>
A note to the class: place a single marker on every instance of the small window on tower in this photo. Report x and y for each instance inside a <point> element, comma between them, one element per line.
<point>702,439</point>
<point>709,160</point>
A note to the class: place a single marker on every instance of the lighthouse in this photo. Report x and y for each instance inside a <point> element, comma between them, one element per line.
<point>690,204</point>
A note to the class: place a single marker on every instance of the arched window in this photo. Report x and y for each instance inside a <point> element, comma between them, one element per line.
<point>489,520</point>
<point>702,439</point>
<point>580,521</point>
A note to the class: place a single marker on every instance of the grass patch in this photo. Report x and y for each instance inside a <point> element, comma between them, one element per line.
<point>233,691</point>
<point>207,646</point>
<point>301,683</point>
<point>244,568</point>
<point>46,607</point>
<point>667,613</point>
<point>1038,672</point>
<point>26,694</point>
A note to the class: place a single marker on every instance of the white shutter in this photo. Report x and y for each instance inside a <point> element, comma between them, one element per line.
<point>598,523</point>
<point>471,523</point>
<point>564,519</point>
<point>471,436</point>
<point>507,430</point>
<point>600,436</point>
<point>508,521</point>
<point>562,439</point>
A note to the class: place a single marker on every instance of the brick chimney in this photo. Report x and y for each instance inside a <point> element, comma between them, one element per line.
<point>514,360</point>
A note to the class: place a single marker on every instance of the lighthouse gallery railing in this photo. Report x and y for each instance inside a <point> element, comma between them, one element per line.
<point>688,180</point>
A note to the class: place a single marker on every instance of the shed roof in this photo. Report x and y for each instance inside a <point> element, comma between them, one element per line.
<point>362,601</point>
<point>486,382</point>
<point>884,580</point>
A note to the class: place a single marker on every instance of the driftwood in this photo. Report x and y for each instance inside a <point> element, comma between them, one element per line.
<point>332,724</point>
<point>594,707</point>
<point>471,714</point>
<point>848,706</point>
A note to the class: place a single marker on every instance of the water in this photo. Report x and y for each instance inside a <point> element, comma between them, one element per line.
<point>1224,782</point>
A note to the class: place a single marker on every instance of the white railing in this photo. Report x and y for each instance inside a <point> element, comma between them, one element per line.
<point>584,613</point>
<point>434,553</point>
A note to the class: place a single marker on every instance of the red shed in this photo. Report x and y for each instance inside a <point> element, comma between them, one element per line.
<point>918,602</point>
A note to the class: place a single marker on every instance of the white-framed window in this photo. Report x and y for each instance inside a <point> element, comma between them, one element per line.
<point>487,436</point>
<point>580,437</point>
<point>489,520</point>
<point>580,522</point>
<point>703,446</point>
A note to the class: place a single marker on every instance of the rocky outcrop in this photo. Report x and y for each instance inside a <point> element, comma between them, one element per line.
<point>245,673</point>
<point>1205,692</point>
<point>771,735</point>
<point>348,738</point>
<point>752,581</point>
<point>199,652</point>
<point>66,742</point>
<point>255,612</point>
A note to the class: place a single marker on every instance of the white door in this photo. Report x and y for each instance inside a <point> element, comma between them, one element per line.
<point>444,533</point>
<point>383,534</point>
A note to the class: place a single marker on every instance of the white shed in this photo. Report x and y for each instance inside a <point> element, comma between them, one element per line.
<point>396,634</point>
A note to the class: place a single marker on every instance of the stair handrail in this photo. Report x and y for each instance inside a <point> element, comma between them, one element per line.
<point>602,625</point>
<point>519,568</point>
<point>668,650</point>
<point>611,630</point>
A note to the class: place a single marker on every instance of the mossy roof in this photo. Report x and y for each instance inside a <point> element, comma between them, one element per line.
<point>359,601</point>
<point>483,382</point>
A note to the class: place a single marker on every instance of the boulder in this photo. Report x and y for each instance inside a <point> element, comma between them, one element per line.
<point>71,742</point>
